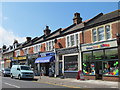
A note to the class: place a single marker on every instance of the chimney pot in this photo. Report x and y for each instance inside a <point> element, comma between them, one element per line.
<point>28,38</point>
<point>77,19</point>
<point>47,31</point>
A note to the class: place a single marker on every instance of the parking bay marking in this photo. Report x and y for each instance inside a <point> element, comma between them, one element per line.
<point>12,85</point>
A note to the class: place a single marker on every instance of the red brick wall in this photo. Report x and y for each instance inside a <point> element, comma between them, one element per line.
<point>14,54</point>
<point>87,37</point>
<point>89,77</point>
<point>21,53</point>
<point>114,28</point>
<point>108,78</point>
<point>61,43</point>
<point>43,47</point>
<point>81,38</point>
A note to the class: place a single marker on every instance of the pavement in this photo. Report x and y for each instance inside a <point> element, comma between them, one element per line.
<point>74,83</point>
<point>52,82</point>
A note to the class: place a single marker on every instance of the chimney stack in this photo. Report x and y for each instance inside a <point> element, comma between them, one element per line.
<point>28,39</point>
<point>77,19</point>
<point>47,31</point>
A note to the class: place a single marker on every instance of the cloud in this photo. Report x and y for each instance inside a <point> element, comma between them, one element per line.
<point>8,37</point>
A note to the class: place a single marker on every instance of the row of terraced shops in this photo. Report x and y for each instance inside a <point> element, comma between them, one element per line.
<point>91,46</point>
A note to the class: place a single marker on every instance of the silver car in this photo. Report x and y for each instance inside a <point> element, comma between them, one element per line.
<point>6,72</point>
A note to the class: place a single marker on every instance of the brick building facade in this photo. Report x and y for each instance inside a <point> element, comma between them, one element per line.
<point>75,48</point>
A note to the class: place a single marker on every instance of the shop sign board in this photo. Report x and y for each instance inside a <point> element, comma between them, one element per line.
<point>47,54</point>
<point>67,51</point>
<point>32,56</point>
<point>21,58</point>
<point>99,45</point>
<point>15,58</point>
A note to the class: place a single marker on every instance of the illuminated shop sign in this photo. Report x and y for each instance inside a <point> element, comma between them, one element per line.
<point>98,46</point>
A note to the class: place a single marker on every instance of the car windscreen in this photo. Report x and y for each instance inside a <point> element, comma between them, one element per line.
<point>25,68</point>
<point>7,69</point>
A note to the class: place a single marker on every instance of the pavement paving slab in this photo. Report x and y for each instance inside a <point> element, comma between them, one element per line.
<point>78,83</point>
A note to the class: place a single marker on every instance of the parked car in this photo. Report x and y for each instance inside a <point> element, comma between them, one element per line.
<point>6,72</point>
<point>21,71</point>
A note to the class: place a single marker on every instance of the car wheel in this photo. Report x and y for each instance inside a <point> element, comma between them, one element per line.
<point>19,77</point>
<point>11,76</point>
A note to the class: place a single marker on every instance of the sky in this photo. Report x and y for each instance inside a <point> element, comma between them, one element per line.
<point>28,19</point>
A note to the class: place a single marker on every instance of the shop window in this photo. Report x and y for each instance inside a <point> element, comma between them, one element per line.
<point>107,30</point>
<point>71,63</point>
<point>100,34</point>
<point>89,68</point>
<point>110,68</point>
<point>98,55</point>
<point>111,53</point>
<point>87,56</point>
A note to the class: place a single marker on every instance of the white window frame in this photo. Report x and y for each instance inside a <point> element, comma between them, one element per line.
<point>75,40</point>
<point>106,32</point>
<point>105,36</point>
<point>17,53</point>
<point>50,45</point>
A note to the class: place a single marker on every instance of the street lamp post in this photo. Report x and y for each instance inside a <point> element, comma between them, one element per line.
<point>118,43</point>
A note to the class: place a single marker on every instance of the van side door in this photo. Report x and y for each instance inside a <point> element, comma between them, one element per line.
<point>17,71</point>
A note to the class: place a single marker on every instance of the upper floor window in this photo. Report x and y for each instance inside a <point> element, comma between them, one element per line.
<point>37,48</point>
<point>101,33</point>
<point>72,40</point>
<point>77,40</point>
<point>17,53</point>
<point>94,32</point>
<point>26,51</point>
<point>68,41</point>
<point>49,45</point>
<point>108,34</point>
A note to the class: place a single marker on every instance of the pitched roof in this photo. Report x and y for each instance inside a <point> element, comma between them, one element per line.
<point>103,17</point>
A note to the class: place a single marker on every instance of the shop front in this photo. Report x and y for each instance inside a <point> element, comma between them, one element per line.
<point>7,63</point>
<point>46,63</point>
<point>70,62</point>
<point>2,64</point>
<point>31,62</point>
<point>100,61</point>
<point>20,60</point>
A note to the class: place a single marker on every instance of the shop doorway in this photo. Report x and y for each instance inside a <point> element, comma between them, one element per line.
<point>99,70</point>
<point>45,69</point>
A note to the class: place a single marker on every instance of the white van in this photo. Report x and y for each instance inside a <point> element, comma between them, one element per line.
<point>21,71</point>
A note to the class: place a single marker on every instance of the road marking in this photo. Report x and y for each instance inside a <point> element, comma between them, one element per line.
<point>57,84</point>
<point>12,85</point>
